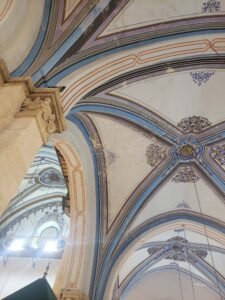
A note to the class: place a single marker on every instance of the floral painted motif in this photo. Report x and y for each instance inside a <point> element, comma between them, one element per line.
<point>211,6</point>
<point>218,153</point>
<point>183,205</point>
<point>110,157</point>
<point>178,246</point>
<point>193,124</point>
<point>185,174</point>
<point>200,77</point>
<point>155,154</point>
<point>153,250</point>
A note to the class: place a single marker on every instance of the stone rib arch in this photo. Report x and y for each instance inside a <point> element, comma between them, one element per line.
<point>171,268</point>
<point>214,229</point>
<point>71,275</point>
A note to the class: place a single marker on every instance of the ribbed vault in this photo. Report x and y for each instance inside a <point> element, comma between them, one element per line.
<point>144,86</point>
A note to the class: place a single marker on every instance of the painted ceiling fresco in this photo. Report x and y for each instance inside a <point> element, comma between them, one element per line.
<point>34,228</point>
<point>144,86</point>
<point>35,215</point>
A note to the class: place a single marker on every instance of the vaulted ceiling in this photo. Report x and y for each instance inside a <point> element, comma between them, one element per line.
<point>144,84</point>
<point>33,229</point>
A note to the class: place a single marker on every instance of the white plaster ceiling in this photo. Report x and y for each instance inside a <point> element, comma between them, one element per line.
<point>70,5</point>
<point>19,27</point>
<point>172,94</point>
<point>125,156</point>
<point>178,90</point>
<point>198,197</point>
<point>153,12</point>
<point>169,288</point>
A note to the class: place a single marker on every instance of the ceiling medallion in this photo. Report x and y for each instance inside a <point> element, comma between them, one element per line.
<point>155,154</point>
<point>184,175</point>
<point>188,150</point>
<point>218,153</point>
<point>211,6</point>
<point>194,124</point>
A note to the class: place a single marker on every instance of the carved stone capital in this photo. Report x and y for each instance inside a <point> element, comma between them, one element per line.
<point>72,294</point>
<point>42,103</point>
<point>41,107</point>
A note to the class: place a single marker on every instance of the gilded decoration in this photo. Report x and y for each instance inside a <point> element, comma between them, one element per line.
<point>155,154</point>
<point>218,153</point>
<point>184,175</point>
<point>194,124</point>
<point>187,151</point>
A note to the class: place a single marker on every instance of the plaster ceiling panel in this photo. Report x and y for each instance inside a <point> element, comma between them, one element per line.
<point>19,27</point>
<point>165,285</point>
<point>217,153</point>
<point>4,8</point>
<point>131,262</point>
<point>181,231</point>
<point>69,6</point>
<point>181,264</point>
<point>126,162</point>
<point>191,93</point>
<point>107,67</point>
<point>217,261</point>
<point>197,197</point>
<point>141,13</point>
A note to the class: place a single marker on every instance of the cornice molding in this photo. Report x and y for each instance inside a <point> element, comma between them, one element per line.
<point>34,94</point>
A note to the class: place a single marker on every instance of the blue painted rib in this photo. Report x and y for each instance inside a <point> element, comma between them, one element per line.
<point>38,43</point>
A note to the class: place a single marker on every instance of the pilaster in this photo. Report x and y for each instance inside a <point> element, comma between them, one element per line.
<point>28,115</point>
<point>72,294</point>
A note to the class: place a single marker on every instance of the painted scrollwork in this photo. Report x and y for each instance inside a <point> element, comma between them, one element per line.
<point>200,77</point>
<point>179,247</point>
<point>194,124</point>
<point>218,153</point>
<point>155,154</point>
<point>185,175</point>
<point>211,6</point>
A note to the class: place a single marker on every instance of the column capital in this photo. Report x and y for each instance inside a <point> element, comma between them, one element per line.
<point>28,115</point>
<point>72,294</point>
<point>44,103</point>
<point>41,109</point>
